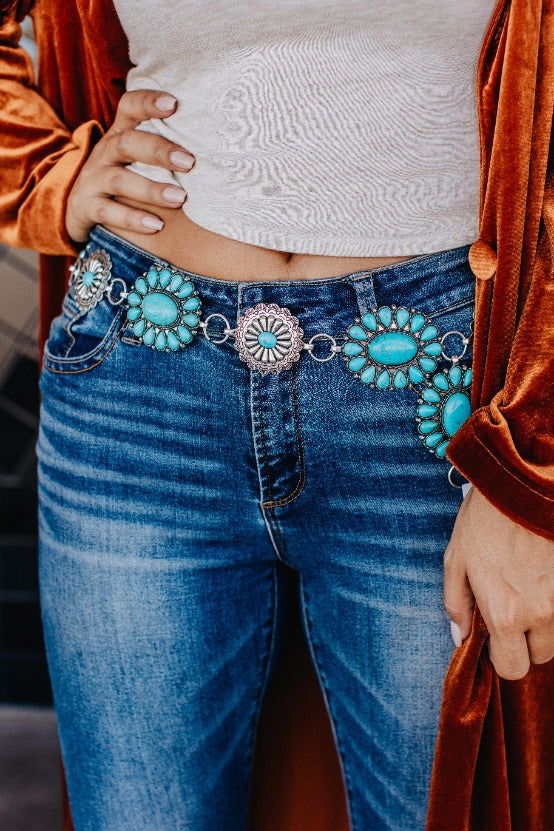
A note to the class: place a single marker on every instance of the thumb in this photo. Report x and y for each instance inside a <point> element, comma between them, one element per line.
<point>458,600</point>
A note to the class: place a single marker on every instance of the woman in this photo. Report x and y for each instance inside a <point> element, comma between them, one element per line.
<point>137,561</point>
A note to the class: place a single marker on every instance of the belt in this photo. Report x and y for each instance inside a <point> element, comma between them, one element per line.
<point>388,348</point>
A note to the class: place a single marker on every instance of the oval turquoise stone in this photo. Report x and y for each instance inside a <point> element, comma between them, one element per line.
<point>433,439</point>
<point>267,340</point>
<point>357,332</point>
<point>383,380</point>
<point>400,380</point>
<point>440,451</point>
<point>455,375</point>
<point>356,363</point>
<point>176,282</point>
<point>415,374</point>
<point>417,322</point>
<point>148,337</point>
<point>426,410</point>
<point>433,348</point>
<point>352,348</point>
<point>191,319</point>
<point>370,321</point>
<point>165,277</point>
<point>173,341</point>
<point>88,278</point>
<point>134,313</point>
<point>429,333</point>
<point>385,315</point>
<point>467,378</point>
<point>140,285</point>
<point>368,375</point>
<point>393,348</point>
<point>134,299</point>
<point>160,309</point>
<point>139,327</point>
<point>427,364</point>
<point>185,290</point>
<point>427,426</point>
<point>402,317</point>
<point>184,334</point>
<point>191,304</point>
<point>152,277</point>
<point>455,411</point>
<point>161,341</point>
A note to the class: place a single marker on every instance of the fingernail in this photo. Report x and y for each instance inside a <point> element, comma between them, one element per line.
<point>153,223</point>
<point>456,633</point>
<point>165,103</point>
<point>174,195</point>
<point>182,160</point>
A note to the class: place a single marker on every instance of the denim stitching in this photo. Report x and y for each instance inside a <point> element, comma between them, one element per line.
<point>51,359</point>
<point>325,694</point>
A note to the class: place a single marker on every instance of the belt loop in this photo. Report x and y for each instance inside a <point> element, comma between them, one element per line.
<point>365,293</point>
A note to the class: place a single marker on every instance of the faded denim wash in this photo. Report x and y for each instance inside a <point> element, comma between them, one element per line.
<point>175,487</point>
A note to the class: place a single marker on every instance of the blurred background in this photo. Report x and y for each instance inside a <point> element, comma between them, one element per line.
<point>30,785</point>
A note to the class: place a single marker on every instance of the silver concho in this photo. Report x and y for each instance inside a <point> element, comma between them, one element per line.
<point>268,338</point>
<point>90,276</point>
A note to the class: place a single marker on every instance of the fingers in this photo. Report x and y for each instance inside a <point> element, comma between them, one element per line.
<point>118,181</point>
<point>139,146</point>
<point>140,105</point>
<point>107,212</point>
<point>540,642</point>
<point>458,597</point>
<point>509,654</point>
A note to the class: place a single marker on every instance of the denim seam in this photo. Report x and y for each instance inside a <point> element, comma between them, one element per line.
<point>47,358</point>
<point>264,684</point>
<point>271,503</point>
<point>325,695</point>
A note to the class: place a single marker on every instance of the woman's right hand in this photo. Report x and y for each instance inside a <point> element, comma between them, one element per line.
<point>104,176</point>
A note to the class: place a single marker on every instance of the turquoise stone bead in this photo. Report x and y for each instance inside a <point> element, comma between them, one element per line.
<point>393,348</point>
<point>134,313</point>
<point>426,410</point>
<point>88,278</point>
<point>148,337</point>
<point>431,396</point>
<point>415,374</point>
<point>185,290</point>
<point>191,319</point>
<point>134,299</point>
<point>184,334</point>
<point>152,278</point>
<point>368,375</point>
<point>173,341</point>
<point>370,321</point>
<point>455,411</point>
<point>357,332</point>
<point>139,327</point>
<point>417,322</point>
<point>440,381</point>
<point>429,333</point>
<point>383,380</point>
<point>385,315</point>
<point>455,375</point>
<point>433,439</point>
<point>402,317</point>
<point>427,364</point>
<point>356,363</point>
<point>140,285</point>
<point>161,340</point>
<point>440,451</point>
<point>433,348</point>
<point>467,378</point>
<point>160,309</point>
<point>191,304</point>
<point>176,282</point>
<point>400,381</point>
<point>165,277</point>
<point>351,348</point>
<point>427,427</point>
<point>267,340</point>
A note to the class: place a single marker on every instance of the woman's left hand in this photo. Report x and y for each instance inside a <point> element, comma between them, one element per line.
<point>509,572</point>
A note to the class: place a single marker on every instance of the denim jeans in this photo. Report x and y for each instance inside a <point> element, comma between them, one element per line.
<point>175,486</point>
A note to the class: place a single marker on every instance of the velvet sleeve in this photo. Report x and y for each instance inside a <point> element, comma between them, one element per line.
<point>40,157</point>
<point>507,447</point>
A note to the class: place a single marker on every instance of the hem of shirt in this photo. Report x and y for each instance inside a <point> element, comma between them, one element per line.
<point>340,247</point>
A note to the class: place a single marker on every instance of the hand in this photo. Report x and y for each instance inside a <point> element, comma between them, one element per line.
<point>104,176</point>
<point>509,573</point>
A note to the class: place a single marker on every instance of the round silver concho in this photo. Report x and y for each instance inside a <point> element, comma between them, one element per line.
<point>90,276</point>
<point>268,338</point>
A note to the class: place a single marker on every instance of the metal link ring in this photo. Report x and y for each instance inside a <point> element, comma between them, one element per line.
<point>455,358</point>
<point>310,345</point>
<point>228,331</point>
<point>123,294</point>
<point>450,473</point>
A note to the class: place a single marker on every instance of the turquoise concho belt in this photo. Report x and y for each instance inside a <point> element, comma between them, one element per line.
<point>388,348</point>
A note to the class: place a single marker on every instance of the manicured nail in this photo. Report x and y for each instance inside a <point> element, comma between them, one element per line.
<point>456,633</point>
<point>165,103</point>
<point>182,160</point>
<point>152,223</point>
<point>174,195</point>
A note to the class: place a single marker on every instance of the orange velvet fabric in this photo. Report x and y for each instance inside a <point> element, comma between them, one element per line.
<point>494,765</point>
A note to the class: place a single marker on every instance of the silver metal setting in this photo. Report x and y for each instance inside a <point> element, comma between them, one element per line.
<point>117,301</point>
<point>281,331</point>
<point>227,330</point>
<point>322,336</point>
<point>466,341</point>
<point>90,276</point>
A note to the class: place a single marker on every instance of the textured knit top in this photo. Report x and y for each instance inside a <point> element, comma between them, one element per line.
<point>340,128</point>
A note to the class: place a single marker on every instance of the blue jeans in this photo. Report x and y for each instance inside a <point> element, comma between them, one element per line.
<point>176,487</point>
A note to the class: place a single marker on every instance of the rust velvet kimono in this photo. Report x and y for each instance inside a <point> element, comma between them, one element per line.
<point>494,763</point>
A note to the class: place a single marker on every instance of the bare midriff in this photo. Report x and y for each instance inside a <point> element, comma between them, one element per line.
<point>186,245</point>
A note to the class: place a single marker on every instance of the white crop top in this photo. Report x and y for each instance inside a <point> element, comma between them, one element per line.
<point>340,128</point>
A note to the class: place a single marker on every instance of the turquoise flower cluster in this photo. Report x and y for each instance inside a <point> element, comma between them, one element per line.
<point>164,309</point>
<point>443,408</point>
